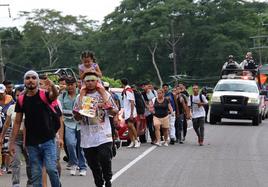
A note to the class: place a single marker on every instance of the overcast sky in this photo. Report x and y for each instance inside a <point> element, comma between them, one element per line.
<point>94,9</point>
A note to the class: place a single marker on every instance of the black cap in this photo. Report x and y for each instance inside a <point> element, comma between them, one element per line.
<point>70,80</point>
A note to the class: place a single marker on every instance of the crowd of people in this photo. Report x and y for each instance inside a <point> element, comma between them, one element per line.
<point>40,118</point>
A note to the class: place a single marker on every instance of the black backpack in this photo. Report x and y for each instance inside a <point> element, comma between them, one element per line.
<point>191,99</point>
<point>250,65</point>
<point>139,102</point>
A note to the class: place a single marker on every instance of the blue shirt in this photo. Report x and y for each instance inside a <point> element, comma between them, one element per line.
<point>67,110</point>
<point>172,101</point>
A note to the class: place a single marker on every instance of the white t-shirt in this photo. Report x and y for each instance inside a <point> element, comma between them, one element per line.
<point>197,112</point>
<point>95,131</point>
<point>127,97</point>
<point>11,112</point>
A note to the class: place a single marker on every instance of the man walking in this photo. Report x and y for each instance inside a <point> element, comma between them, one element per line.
<point>130,113</point>
<point>96,133</point>
<point>40,133</point>
<point>77,159</point>
<point>196,103</point>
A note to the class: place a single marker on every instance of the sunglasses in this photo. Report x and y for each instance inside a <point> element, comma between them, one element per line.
<point>30,77</point>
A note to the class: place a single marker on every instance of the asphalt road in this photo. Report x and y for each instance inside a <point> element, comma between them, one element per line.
<point>234,155</point>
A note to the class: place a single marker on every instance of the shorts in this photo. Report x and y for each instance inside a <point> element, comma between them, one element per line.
<point>130,120</point>
<point>164,122</point>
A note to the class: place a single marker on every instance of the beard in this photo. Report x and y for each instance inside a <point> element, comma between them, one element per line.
<point>30,87</point>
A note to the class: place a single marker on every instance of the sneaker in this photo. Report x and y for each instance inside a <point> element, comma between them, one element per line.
<point>158,144</point>
<point>181,142</point>
<point>73,170</point>
<point>137,144</point>
<point>172,141</point>
<point>9,171</point>
<point>183,139</point>
<point>66,159</point>
<point>69,166</point>
<point>201,142</point>
<point>166,144</point>
<point>132,144</point>
<point>83,172</point>
<point>118,143</point>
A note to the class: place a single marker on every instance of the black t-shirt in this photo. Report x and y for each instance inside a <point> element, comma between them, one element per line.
<point>161,109</point>
<point>37,120</point>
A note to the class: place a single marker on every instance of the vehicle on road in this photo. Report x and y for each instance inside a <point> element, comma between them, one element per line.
<point>140,121</point>
<point>236,99</point>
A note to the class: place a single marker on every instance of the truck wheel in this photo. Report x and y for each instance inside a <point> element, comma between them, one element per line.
<point>256,121</point>
<point>212,119</point>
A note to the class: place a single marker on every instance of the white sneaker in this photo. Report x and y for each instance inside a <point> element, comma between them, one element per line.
<point>73,170</point>
<point>83,172</point>
<point>132,144</point>
<point>158,144</point>
<point>137,144</point>
<point>166,144</point>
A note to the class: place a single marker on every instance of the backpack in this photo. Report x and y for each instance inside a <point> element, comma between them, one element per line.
<point>191,99</point>
<point>116,99</point>
<point>250,65</point>
<point>53,109</point>
<point>231,65</point>
<point>139,102</point>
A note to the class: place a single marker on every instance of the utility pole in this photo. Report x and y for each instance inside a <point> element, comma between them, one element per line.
<point>173,42</point>
<point>259,42</point>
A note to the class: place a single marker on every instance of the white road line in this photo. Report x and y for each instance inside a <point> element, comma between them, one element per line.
<point>121,171</point>
<point>124,169</point>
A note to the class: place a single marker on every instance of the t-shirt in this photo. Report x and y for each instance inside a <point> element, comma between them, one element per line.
<point>95,131</point>
<point>161,109</point>
<point>197,111</point>
<point>127,97</point>
<point>148,97</point>
<point>11,112</point>
<point>37,119</point>
<point>82,67</point>
<point>171,97</point>
<point>67,104</point>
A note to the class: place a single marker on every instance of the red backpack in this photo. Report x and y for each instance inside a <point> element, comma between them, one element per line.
<point>53,109</point>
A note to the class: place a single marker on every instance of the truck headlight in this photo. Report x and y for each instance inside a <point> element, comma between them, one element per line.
<point>215,99</point>
<point>253,100</point>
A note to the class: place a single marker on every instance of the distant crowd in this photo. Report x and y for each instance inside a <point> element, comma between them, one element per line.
<point>40,118</point>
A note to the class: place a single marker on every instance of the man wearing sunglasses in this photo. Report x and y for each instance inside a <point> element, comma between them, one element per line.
<point>40,137</point>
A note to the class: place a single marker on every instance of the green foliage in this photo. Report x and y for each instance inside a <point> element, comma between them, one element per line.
<point>212,29</point>
<point>114,83</point>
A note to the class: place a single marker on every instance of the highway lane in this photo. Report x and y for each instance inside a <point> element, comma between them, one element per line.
<point>235,154</point>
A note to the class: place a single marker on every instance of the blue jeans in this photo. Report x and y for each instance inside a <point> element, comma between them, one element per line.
<point>40,155</point>
<point>179,127</point>
<point>16,163</point>
<point>76,154</point>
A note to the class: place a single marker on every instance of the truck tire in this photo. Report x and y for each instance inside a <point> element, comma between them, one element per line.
<point>256,120</point>
<point>212,119</point>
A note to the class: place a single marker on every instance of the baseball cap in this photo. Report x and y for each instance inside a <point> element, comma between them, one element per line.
<point>2,88</point>
<point>106,84</point>
<point>70,80</point>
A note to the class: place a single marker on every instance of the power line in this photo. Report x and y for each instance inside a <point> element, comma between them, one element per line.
<point>23,67</point>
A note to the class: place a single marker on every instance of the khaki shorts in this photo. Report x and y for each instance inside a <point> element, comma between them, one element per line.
<point>164,122</point>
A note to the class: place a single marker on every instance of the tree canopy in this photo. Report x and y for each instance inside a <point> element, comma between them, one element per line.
<point>209,31</point>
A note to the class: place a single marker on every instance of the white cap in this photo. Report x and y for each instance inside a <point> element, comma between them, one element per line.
<point>106,84</point>
<point>2,88</point>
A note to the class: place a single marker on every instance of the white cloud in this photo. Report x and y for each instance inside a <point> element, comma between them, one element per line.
<point>94,9</point>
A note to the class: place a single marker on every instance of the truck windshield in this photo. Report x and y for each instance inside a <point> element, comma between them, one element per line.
<point>236,87</point>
